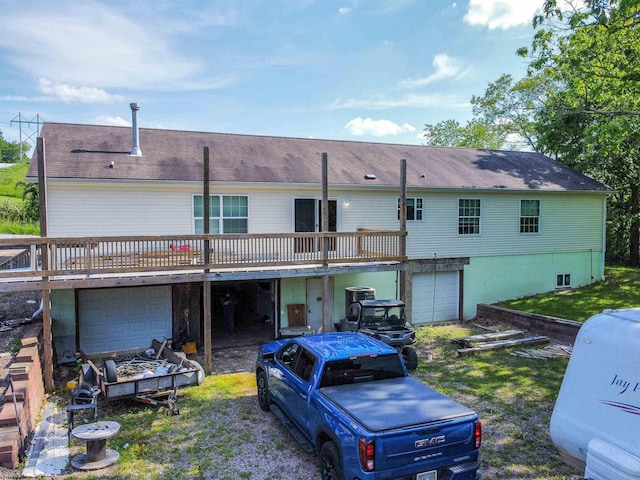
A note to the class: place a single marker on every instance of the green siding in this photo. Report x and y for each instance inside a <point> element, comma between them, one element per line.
<point>294,290</point>
<point>63,313</point>
<point>494,279</point>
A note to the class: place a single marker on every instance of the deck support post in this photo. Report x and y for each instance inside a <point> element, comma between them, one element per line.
<point>326,321</point>
<point>403,228</point>
<point>206,287</point>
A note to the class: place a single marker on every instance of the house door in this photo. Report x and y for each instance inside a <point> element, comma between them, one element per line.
<point>314,303</point>
<point>307,218</point>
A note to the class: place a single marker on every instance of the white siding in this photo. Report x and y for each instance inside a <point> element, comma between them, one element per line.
<point>104,210</point>
<point>568,222</point>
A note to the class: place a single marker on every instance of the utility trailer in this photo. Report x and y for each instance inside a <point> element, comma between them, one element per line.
<point>119,380</point>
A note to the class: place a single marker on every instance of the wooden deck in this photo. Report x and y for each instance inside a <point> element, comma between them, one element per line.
<point>169,255</point>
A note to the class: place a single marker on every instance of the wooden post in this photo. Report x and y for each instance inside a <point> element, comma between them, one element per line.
<point>47,337</point>
<point>206,307</point>
<point>403,224</point>
<point>206,287</point>
<point>326,324</point>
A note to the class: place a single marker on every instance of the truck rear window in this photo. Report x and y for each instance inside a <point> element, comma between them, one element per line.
<point>361,369</point>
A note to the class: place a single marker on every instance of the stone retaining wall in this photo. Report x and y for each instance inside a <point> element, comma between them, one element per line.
<point>553,327</point>
<point>18,419</point>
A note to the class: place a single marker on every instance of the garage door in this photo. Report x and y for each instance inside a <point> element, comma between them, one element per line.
<point>435,297</point>
<point>114,319</point>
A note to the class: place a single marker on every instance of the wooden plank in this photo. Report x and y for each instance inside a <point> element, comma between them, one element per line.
<point>489,337</point>
<point>532,340</point>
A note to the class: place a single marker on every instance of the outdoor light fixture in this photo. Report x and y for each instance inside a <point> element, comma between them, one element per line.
<point>369,176</point>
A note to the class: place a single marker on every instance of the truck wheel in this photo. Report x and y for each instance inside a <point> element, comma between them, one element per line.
<point>410,358</point>
<point>263,391</point>
<point>330,462</point>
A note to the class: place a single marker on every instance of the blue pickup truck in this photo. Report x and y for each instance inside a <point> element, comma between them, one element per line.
<point>348,397</point>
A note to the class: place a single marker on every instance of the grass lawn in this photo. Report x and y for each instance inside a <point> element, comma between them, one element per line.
<point>9,176</point>
<point>619,290</point>
<point>221,433</point>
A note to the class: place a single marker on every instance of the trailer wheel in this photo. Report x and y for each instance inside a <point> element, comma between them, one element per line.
<point>263,391</point>
<point>330,462</point>
<point>201,373</point>
<point>109,370</point>
<point>410,358</point>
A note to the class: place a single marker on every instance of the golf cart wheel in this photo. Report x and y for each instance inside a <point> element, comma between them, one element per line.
<point>410,358</point>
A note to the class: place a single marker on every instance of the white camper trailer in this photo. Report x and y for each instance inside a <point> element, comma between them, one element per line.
<point>596,420</point>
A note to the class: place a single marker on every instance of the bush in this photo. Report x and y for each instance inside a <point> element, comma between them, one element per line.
<point>10,211</point>
<point>19,228</point>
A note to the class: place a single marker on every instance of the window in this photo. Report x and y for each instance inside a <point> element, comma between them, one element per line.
<point>469,216</point>
<point>287,355</point>
<point>529,216</point>
<point>298,360</point>
<point>227,214</point>
<point>563,280</point>
<point>414,208</point>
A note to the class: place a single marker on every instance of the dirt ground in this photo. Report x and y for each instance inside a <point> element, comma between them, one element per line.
<point>14,305</point>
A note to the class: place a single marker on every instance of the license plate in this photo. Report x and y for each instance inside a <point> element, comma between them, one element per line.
<point>432,475</point>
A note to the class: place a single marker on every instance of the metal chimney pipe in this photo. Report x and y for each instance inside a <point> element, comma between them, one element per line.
<point>134,125</point>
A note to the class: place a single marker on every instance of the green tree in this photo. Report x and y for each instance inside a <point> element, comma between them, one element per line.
<point>10,151</point>
<point>30,202</point>
<point>502,118</point>
<point>590,115</point>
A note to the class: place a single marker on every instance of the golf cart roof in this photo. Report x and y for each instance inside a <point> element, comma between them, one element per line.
<point>382,303</point>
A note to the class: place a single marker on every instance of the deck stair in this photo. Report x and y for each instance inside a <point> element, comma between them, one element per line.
<point>497,341</point>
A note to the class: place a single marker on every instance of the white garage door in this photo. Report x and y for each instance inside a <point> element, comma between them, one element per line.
<point>114,319</point>
<point>435,297</point>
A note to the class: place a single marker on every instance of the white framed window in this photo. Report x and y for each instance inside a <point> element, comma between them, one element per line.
<point>415,207</point>
<point>227,214</point>
<point>529,216</point>
<point>563,280</point>
<point>469,216</point>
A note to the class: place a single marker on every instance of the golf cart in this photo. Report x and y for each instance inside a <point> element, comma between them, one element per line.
<point>384,320</point>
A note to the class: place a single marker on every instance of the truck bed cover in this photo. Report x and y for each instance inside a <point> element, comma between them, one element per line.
<point>394,403</point>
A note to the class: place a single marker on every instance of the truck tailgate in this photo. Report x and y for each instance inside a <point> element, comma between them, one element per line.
<point>394,403</point>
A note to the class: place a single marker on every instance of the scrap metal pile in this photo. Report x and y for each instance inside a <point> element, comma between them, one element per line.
<point>145,365</point>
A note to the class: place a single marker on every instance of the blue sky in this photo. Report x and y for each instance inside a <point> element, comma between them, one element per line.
<point>364,70</point>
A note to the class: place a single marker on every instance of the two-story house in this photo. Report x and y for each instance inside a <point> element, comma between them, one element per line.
<point>130,260</point>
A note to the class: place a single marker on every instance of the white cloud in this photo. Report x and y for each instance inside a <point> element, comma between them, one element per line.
<point>501,13</point>
<point>70,93</point>
<point>445,67</point>
<point>378,128</point>
<point>111,121</point>
<point>407,101</point>
<point>98,45</point>
<point>344,10</point>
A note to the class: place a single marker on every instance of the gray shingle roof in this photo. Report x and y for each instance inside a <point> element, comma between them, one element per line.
<point>84,152</point>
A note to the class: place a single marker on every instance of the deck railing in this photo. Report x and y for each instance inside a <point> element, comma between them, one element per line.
<point>98,255</point>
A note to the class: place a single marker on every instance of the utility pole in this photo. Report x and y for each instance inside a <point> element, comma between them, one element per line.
<point>30,135</point>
